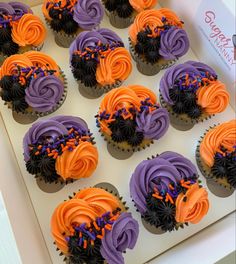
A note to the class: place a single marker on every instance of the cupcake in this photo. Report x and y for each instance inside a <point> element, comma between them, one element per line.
<point>157,39</point>
<point>130,118</point>
<point>20,30</point>
<point>121,13</point>
<point>99,61</point>
<point>93,227</point>
<point>60,149</point>
<point>67,18</point>
<point>167,193</point>
<point>32,85</point>
<point>216,154</point>
<point>191,92</point>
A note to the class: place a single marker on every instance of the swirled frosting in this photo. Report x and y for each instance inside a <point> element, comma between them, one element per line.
<point>174,43</point>
<point>140,5</point>
<point>53,128</point>
<point>79,163</point>
<point>154,124</point>
<point>124,234</point>
<point>44,92</point>
<point>221,135</point>
<point>193,205</point>
<point>115,66</point>
<point>29,30</point>
<point>158,173</point>
<point>83,208</point>
<point>88,13</point>
<point>214,98</point>
<point>6,9</point>
<point>20,8</point>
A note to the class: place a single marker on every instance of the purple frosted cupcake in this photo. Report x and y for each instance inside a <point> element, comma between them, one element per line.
<point>99,61</point>
<point>166,192</point>
<point>59,150</point>
<point>68,18</point>
<point>191,92</point>
<point>157,39</point>
<point>20,30</point>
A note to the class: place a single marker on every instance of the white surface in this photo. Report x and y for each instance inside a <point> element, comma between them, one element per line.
<point>148,245</point>
<point>8,249</point>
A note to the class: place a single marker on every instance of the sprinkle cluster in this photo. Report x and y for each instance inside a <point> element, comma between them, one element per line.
<point>183,93</point>
<point>123,125</point>
<point>61,14</point>
<point>84,63</point>
<point>84,241</point>
<point>225,165</point>
<point>161,208</point>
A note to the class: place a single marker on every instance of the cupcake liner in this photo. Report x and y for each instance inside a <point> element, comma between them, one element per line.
<point>61,38</point>
<point>182,121</point>
<point>109,188</point>
<point>148,68</point>
<point>220,187</point>
<point>30,115</point>
<point>119,22</point>
<point>123,150</point>
<point>97,90</point>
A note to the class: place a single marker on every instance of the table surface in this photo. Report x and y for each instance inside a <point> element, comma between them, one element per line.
<point>149,245</point>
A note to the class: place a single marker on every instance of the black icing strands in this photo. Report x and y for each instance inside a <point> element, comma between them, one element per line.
<point>122,7</point>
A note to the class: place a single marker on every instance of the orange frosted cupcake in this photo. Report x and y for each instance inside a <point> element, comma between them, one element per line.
<point>32,85</point>
<point>167,193</point>
<point>68,18</point>
<point>130,118</point>
<point>93,227</point>
<point>20,30</point>
<point>157,39</point>
<point>60,149</point>
<point>99,61</point>
<point>121,13</point>
<point>216,154</point>
<point>191,92</point>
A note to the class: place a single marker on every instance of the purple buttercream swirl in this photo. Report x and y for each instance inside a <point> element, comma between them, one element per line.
<point>88,13</point>
<point>53,128</point>
<point>21,8</point>
<point>6,9</point>
<point>44,92</point>
<point>123,235</point>
<point>89,39</point>
<point>174,43</point>
<point>168,168</point>
<point>154,124</point>
<point>193,69</point>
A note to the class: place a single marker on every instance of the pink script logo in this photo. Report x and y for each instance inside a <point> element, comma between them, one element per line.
<point>220,40</point>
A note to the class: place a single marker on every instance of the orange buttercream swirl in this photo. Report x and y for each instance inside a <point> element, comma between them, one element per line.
<point>116,66</point>
<point>193,205</point>
<point>214,97</point>
<point>42,60</point>
<point>79,163</point>
<point>140,5</point>
<point>171,17</point>
<point>143,93</point>
<point>29,30</point>
<point>83,208</point>
<point>9,65</point>
<point>221,135</point>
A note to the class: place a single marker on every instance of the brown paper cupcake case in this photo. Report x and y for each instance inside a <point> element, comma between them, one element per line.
<point>109,188</point>
<point>97,90</point>
<point>182,121</point>
<point>27,117</point>
<point>206,171</point>
<point>61,38</point>
<point>147,68</point>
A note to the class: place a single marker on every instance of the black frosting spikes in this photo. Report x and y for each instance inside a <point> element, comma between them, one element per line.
<point>194,112</point>
<point>56,24</point>
<point>124,10</point>
<point>110,5</point>
<point>6,82</point>
<point>5,34</point>
<point>9,48</point>
<point>136,139</point>
<point>19,105</point>
<point>69,26</point>
<point>152,56</point>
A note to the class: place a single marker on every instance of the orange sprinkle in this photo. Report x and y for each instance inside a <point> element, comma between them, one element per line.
<point>85,244</point>
<point>103,232</point>
<point>100,237</point>
<point>40,147</point>
<point>71,130</point>
<point>157,196</point>
<point>108,227</point>
<point>171,187</point>
<point>65,148</point>
<point>169,198</point>
<point>48,150</point>
<point>50,154</point>
<point>92,242</point>
<point>55,155</point>
<point>96,226</point>
<point>80,234</point>
<point>36,153</point>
